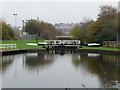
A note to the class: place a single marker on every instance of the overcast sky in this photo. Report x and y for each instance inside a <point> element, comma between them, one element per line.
<point>53,12</point>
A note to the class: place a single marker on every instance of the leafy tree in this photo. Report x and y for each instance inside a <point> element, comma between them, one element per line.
<point>42,29</point>
<point>84,25</point>
<point>78,33</point>
<point>105,28</point>
<point>94,30</point>
<point>33,26</point>
<point>118,26</point>
<point>49,31</point>
<point>107,12</point>
<point>7,31</point>
<point>0,30</point>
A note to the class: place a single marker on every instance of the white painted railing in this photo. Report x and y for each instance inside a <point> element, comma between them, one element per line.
<point>63,42</point>
<point>7,46</point>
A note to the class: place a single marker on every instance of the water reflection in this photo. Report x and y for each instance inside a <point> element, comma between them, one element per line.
<point>105,66</point>
<point>6,62</point>
<point>60,69</point>
<point>93,55</point>
<point>61,51</point>
<point>40,60</point>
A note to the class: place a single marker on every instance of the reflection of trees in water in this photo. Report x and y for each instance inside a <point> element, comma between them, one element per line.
<point>104,66</point>
<point>77,60</point>
<point>0,64</point>
<point>34,61</point>
<point>6,61</point>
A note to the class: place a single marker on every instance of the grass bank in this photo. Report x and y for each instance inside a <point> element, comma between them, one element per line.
<point>21,44</point>
<point>101,48</point>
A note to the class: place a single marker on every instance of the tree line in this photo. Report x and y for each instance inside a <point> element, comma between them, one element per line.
<point>6,31</point>
<point>42,29</point>
<point>105,28</point>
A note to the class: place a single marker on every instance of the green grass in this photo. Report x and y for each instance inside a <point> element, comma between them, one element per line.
<point>21,44</point>
<point>101,48</point>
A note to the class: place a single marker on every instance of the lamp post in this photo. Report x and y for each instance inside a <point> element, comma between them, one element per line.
<point>23,25</point>
<point>15,19</point>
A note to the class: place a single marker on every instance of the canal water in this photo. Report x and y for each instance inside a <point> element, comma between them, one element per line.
<point>73,70</point>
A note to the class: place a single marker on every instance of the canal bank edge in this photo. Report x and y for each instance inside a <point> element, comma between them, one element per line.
<point>19,51</point>
<point>98,51</point>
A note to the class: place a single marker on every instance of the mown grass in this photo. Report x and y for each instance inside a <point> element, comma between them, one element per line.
<point>101,48</point>
<point>21,44</point>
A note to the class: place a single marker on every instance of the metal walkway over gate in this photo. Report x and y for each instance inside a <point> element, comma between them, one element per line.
<point>60,44</point>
